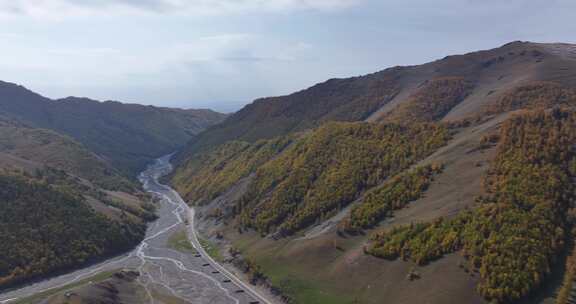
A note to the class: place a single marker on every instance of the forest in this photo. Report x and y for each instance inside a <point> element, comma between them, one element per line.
<point>432,102</point>
<point>207,175</point>
<point>46,229</point>
<point>308,183</point>
<point>534,95</point>
<point>396,193</point>
<point>515,234</point>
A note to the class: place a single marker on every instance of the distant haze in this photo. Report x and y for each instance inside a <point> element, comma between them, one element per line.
<point>222,54</point>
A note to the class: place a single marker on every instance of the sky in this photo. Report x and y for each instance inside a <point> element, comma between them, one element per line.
<point>223,54</point>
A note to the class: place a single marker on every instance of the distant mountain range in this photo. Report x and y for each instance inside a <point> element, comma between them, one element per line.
<point>447,182</point>
<point>126,135</point>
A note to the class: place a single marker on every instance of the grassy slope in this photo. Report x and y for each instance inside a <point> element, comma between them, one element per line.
<point>179,241</point>
<point>300,265</point>
<point>315,271</point>
<point>530,206</point>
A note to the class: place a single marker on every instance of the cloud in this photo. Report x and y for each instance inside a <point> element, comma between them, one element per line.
<point>82,51</point>
<point>69,8</point>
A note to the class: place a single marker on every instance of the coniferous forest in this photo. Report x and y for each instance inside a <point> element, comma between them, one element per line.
<point>395,194</point>
<point>208,175</point>
<point>309,183</point>
<point>46,229</point>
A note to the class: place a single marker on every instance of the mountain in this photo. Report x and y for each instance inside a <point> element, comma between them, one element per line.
<point>126,135</point>
<point>448,182</point>
<point>61,205</point>
<point>47,229</point>
<point>51,149</point>
<point>67,178</point>
<point>475,79</point>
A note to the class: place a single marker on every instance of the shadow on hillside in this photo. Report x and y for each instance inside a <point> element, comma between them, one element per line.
<point>552,285</point>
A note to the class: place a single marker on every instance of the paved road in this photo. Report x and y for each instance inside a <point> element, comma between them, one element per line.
<point>162,269</point>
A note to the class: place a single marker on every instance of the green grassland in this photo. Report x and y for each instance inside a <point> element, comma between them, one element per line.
<point>179,241</point>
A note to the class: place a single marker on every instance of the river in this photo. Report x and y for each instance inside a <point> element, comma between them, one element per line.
<point>162,269</point>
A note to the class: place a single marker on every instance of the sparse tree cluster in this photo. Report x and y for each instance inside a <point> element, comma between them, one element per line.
<point>395,194</point>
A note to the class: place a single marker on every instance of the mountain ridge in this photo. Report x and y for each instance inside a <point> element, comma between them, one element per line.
<point>369,97</point>
<point>127,135</point>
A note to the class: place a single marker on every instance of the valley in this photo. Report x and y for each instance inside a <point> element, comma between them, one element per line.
<point>162,271</point>
<point>445,182</point>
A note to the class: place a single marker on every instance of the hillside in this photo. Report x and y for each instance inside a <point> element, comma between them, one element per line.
<point>58,151</point>
<point>46,229</point>
<point>126,135</point>
<point>62,206</point>
<point>526,217</point>
<point>448,182</point>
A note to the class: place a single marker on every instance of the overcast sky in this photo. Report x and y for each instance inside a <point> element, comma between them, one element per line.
<point>222,54</point>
